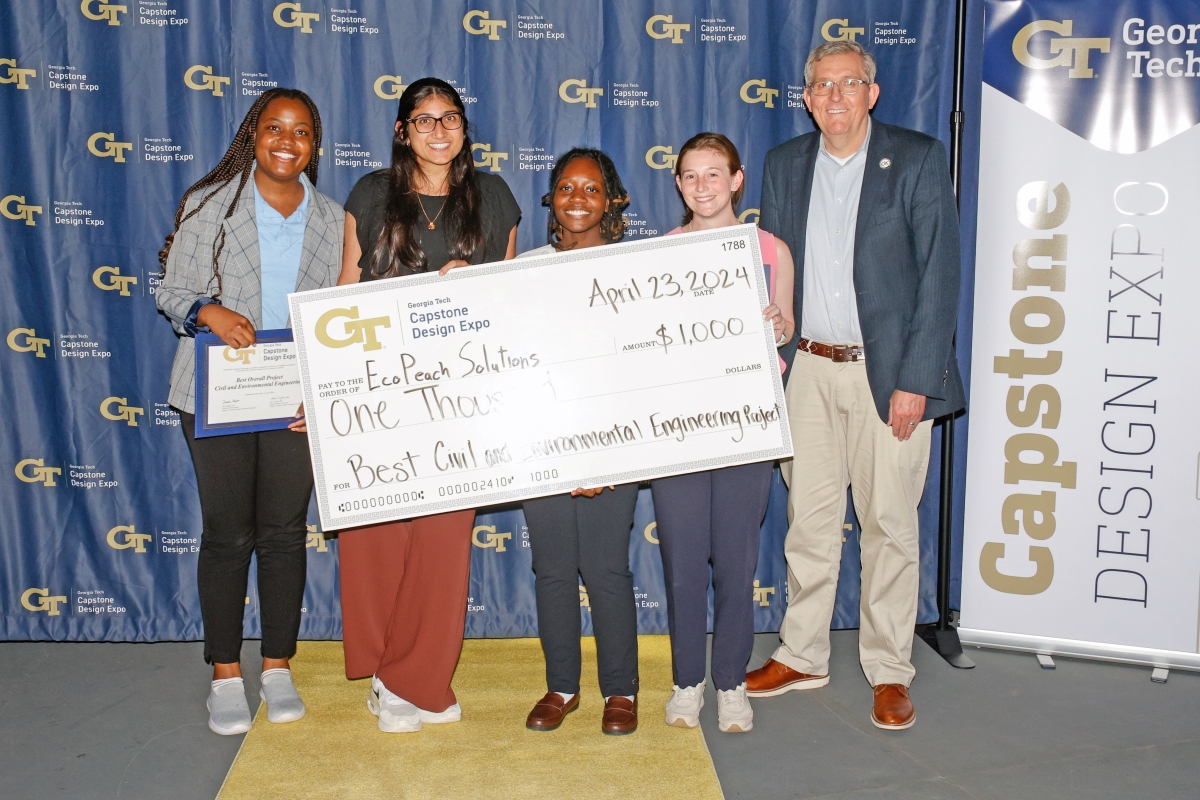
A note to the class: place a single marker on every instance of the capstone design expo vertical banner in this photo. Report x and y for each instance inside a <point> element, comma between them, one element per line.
<point>1083,485</point>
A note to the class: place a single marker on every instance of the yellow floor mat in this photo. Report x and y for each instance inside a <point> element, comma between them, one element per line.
<point>337,751</point>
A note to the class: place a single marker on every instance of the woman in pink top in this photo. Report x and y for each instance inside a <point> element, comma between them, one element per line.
<point>713,517</point>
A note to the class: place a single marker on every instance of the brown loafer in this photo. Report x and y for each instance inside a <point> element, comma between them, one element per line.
<point>893,709</point>
<point>549,712</point>
<point>620,716</point>
<point>773,678</point>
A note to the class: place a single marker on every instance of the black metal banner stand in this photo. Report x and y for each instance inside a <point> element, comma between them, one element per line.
<point>942,636</point>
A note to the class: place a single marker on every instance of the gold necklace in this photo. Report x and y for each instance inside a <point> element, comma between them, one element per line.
<point>426,213</point>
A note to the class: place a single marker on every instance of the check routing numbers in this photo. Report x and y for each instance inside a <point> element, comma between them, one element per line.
<point>540,375</point>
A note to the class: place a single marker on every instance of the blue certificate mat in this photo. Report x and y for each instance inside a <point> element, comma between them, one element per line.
<point>254,388</point>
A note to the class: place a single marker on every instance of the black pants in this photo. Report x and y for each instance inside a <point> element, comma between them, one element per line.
<point>588,537</point>
<point>704,518</point>
<point>254,493</point>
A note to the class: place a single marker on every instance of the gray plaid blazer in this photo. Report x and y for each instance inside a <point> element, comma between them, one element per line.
<point>189,275</point>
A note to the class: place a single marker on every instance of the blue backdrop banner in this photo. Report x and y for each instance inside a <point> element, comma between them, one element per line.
<point>110,110</point>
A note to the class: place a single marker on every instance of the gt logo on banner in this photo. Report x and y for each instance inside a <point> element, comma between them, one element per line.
<point>844,32</point>
<point>492,540</point>
<point>124,413</point>
<point>762,594</point>
<point>209,82</point>
<point>397,88</point>
<point>649,533</point>
<point>761,93</point>
<point>14,207</point>
<point>117,282</point>
<point>487,26</point>
<point>243,355</point>
<point>749,215</point>
<point>17,76</point>
<point>45,601</point>
<point>668,157</point>
<point>582,93</point>
<point>360,331</point>
<point>296,18</point>
<point>132,539</point>
<point>40,473</point>
<point>316,538</point>
<point>112,149</point>
<point>1071,52</point>
<point>103,11</point>
<point>487,157</point>
<point>670,28</point>
<point>32,344</point>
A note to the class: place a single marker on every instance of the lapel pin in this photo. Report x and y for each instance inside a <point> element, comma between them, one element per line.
<point>884,163</point>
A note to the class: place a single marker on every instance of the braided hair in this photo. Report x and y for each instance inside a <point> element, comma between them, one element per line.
<point>238,162</point>
<point>613,223</point>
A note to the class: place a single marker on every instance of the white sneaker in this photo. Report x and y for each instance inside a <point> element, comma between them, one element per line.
<point>280,695</point>
<point>395,714</point>
<point>734,714</point>
<point>451,714</point>
<point>228,711</point>
<point>683,709</point>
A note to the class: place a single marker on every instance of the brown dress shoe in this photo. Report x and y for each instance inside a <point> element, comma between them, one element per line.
<point>893,709</point>
<point>773,678</point>
<point>620,716</point>
<point>549,712</point>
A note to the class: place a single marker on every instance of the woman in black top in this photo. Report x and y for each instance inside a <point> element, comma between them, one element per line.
<point>404,584</point>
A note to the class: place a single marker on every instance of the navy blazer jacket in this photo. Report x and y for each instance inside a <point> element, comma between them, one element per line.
<point>906,259</point>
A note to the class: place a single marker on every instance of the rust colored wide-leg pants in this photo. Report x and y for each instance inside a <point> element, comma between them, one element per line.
<point>404,604</point>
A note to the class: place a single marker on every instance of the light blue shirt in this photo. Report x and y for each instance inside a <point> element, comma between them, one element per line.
<point>280,245</point>
<point>830,310</point>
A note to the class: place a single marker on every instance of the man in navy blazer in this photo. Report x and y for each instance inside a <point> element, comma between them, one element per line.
<point>869,209</point>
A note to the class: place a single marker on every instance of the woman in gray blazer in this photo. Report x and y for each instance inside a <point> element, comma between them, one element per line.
<point>249,232</point>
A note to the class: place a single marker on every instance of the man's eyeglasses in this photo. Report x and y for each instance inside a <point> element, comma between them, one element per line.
<point>425,124</point>
<point>847,86</point>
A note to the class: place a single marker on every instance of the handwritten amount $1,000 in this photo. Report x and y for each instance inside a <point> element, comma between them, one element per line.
<point>700,332</point>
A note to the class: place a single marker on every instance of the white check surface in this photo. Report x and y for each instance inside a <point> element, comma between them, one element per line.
<point>524,378</point>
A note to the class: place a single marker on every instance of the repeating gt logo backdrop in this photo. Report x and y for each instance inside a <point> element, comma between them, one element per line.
<point>491,539</point>
<point>34,470</point>
<point>42,600</point>
<point>110,279</point>
<point>839,30</point>
<point>575,90</point>
<point>100,10</point>
<point>291,15</point>
<point>118,410</point>
<point>26,340</point>
<point>13,206</point>
<point>389,87</point>
<point>1070,52</point>
<point>756,91</point>
<point>105,145</point>
<point>486,159</point>
<point>661,157</point>
<point>357,331</point>
<point>201,79</point>
<point>15,74</point>
<point>481,24</point>
<point>124,537</point>
<point>664,26</point>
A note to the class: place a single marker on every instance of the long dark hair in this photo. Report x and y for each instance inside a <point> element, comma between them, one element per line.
<point>613,223</point>
<point>397,247</point>
<point>239,161</point>
<point>718,143</point>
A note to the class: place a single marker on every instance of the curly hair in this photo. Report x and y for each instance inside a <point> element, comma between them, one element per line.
<point>613,223</point>
<point>239,161</point>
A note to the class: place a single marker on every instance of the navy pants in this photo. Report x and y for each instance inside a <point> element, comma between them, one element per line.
<point>712,518</point>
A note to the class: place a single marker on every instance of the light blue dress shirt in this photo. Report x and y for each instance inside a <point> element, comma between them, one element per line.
<point>830,307</point>
<point>280,245</point>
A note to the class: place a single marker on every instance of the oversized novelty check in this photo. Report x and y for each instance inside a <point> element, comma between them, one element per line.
<point>531,377</point>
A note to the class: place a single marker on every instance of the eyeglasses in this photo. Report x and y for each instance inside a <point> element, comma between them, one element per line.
<point>425,124</point>
<point>848,86</point>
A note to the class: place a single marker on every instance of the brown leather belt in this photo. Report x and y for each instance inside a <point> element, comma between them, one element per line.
<point>834,352</point>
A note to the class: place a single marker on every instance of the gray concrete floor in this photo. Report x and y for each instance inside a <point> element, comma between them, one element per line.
<point>1006,729</point>
<point>128,721</point>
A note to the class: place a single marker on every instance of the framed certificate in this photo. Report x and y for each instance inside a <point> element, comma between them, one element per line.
<point>254,388</point>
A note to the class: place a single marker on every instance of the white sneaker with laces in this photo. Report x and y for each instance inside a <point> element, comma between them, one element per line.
<point>396,715</point>
<point>280,695</point>
<point>734,714</point>
<point>683,709</point>
<point>228,711</point>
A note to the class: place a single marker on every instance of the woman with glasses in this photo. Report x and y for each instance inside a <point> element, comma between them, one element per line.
<point>404,584</point>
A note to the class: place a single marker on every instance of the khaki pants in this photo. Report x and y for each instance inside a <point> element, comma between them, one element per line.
<point>839,440</point>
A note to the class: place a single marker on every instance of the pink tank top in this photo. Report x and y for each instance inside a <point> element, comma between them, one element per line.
<point>770,257</point>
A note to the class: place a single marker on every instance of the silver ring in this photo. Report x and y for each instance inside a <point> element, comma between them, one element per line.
<point>911,424</point>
